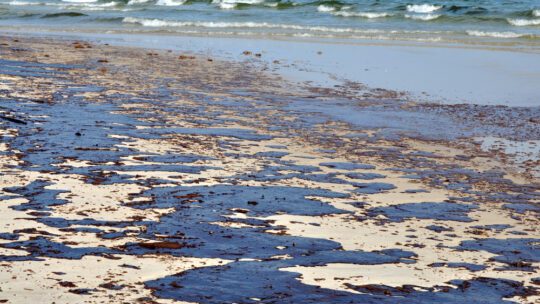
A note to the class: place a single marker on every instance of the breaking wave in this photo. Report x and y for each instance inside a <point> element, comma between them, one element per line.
<point>524,22</point>
<point>452,21</point>
<point>325,8</point>
<point>496,34</point>
<point>369,15</point>
<point>423,17</point>
<point>240,25</point>
<point>422,8</point>
<point>170,2</point>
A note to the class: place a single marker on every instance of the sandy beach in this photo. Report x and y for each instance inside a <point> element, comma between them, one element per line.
<point>134,174</point>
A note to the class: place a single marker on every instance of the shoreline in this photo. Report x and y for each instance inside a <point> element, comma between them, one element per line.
<point>427,72</point>
<point>155,176</point>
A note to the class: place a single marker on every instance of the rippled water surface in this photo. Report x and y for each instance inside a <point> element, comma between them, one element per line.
<point>484,20</point>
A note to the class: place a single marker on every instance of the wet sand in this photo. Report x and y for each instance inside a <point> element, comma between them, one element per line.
<point>497,73</point>
<point>138,175</point>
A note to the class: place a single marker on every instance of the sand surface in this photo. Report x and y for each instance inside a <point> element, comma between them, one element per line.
<point>498,73</point>
<point>135,175</point>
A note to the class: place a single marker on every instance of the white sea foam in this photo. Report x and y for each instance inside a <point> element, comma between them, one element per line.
<point>369,15</point>
<point>276,4</point>
<point>246,1</point>
<point>325,8</point>
<point>108,4</point>
<point>21,3</point>
<point>134,2</point>
<point>231,4</point>
<point>523,22</point>
<point>424,17</point>
<point>226,5</point>
<point>422,8</point>
<point>241,25</point>
<point>95,7</point>
<point>80,1</point>
<point>238,1</point>
<point>495,34</point>
<point>170,2</point>
<point>536,13</point>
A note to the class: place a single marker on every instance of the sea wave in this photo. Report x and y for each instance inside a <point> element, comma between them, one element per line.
<point>170,2</point>
<point>240,25</point>
<point>80,1</point>
<point>106,4</point>
<point>457,8</point>
<point>369,15</point>
<point>21,3</point>
<point>227,5</point>
<point>24,3</point>
<point>320,18</point>
<point>281,5</point>
<point>325,8</point>
<point>422,8</point>
<point>93,6</point>
<point>524,22</point>
<point>134,2</point>
<point>244,1</point>
<point>64,14</point>
<point>231,4</point>
<point>423,17</point>
<point>496,34</point>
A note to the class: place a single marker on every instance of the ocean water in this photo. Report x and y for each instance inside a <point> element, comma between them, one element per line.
<point>469,21</point>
